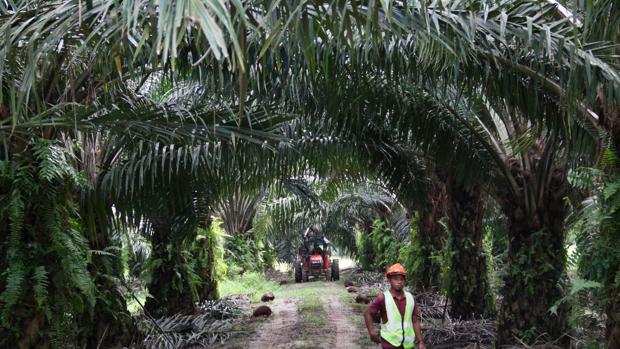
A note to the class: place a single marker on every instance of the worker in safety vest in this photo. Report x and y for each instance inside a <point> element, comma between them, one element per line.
<point>400,320</point>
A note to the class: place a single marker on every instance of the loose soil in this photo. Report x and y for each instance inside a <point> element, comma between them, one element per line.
<point>316,314</point>
<point>340,316</point>
<point>276,330</point>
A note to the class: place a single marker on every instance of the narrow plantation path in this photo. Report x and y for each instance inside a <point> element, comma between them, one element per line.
<point>316,314</point>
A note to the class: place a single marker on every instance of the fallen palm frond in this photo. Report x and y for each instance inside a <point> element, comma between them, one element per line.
<point>368,283</point>
<point>275,275</point>
<point>225,308</point>
<point>459,333</point>
<point>433,304</point>
<point>215,322</point>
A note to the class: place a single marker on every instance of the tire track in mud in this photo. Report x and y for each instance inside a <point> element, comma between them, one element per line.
<point>345,333</point>
<point>279,328</point>
<point>294,325</point>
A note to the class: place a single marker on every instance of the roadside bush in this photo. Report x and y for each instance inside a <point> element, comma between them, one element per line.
<point>245,253</point>
<point>379,248</point>
<point>410,251</point>
<point>242,255</point>
<point>366,252</point>
<point>218,236</point>
<point>253,283</point>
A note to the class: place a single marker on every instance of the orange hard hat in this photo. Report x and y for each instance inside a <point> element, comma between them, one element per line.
<point>396,269</point>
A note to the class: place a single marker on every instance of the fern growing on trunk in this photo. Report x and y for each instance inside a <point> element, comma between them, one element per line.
<point>41,236</point>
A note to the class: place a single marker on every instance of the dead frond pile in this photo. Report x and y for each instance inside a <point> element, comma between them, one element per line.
<point>433,304</point>
<point>459,333</point>
<point>275,275</point>
<point>368,283</point>
<point>214,322</point>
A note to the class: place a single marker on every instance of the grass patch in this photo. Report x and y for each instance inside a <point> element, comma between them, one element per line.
<point>311,312</point>
<point>252,283</point>
<point>364,340</point>
<point>310,308</point>
<point>312,316</point>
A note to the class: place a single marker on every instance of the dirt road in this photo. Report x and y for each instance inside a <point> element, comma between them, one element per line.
<point>316,314</point>
<point>342,320</point>
<point>276,331</point>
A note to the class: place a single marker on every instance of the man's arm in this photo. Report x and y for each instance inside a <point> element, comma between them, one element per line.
<point>417,327</point>
<point>369,314</point>
<point>372,331</point>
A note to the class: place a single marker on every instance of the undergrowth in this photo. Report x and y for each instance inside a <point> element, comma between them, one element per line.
<point>252,283</point>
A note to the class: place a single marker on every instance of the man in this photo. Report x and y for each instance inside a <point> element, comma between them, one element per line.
<point>400,315</point>
<point>313,237</point>
<point>314,232</point>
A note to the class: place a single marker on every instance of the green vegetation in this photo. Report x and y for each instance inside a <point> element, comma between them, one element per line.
<point>134,305</point>
<point>359,309</point>
<point>381,248</point>
<point>50,252</point>
<point>243,254</point>
<point>252,283</point>
<point>312,313</point>
<point>469,139</point>
<point>310,306</point>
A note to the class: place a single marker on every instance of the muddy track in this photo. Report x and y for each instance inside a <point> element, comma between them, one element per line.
<point>309,315</point>
<point>276,331</point>
<point>340,316</point>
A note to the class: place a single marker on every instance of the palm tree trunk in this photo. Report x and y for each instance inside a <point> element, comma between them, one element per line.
<point>468,287</point>
<point>170,285</point>
<point>431,233</point>
<point>169,296</point>
<point>206,256</point>
<point>367,253</point>
<point>610,120</point>
<point>208,287</point>
<point>111,325</point>
<point>536,266</point>
<point>612,334</point>
<point>171,292</point>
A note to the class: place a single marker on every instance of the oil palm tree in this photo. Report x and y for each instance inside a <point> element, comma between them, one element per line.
<point>527,176</point>
<point>168,184</point>
<point>64,91</point>
<point>500,81</point>
<point>601,22</point>
<point>519,152</point>
<point>55,79</point>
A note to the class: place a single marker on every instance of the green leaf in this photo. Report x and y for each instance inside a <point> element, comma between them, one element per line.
<point>581,284</point>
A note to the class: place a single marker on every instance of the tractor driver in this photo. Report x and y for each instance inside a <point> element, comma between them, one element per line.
<point>313,231</point>
<point>313,234</point>
<point>317,249</point>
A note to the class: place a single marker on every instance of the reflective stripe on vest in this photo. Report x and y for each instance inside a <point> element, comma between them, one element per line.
<point>397,330</point>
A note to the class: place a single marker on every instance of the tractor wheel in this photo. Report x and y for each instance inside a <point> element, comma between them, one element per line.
<point>297,272</point>
<point>335,270</point>
<point>304,275</point>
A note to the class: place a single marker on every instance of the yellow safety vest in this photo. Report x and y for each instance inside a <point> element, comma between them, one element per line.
<point>398,331</point>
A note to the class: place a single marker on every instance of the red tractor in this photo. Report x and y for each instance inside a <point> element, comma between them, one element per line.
<point>316,261</point>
